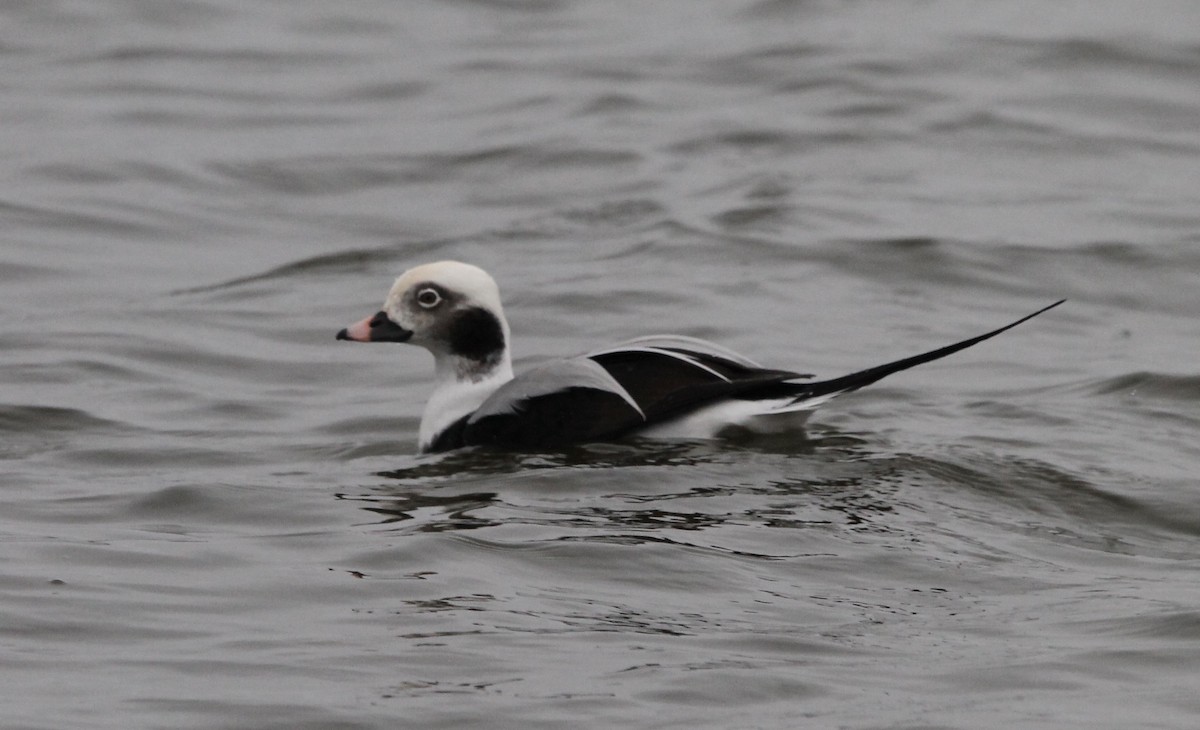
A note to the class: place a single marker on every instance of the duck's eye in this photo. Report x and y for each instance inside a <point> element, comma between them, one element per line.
<point>429,298</point>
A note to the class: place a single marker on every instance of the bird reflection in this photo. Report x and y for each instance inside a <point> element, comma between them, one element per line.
<point>647,489</point>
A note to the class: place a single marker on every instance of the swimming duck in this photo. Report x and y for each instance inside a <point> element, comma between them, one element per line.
<point>664,386</point>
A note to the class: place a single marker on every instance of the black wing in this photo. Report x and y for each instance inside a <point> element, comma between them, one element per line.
<point>612,392</point>
<point>666,383</point>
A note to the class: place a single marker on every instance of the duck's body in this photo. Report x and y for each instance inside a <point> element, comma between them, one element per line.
<point>661,386</point>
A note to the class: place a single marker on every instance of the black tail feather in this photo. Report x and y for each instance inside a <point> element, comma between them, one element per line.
<point>854,381</point>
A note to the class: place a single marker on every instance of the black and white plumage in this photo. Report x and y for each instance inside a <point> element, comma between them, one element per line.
<point>659,386</point>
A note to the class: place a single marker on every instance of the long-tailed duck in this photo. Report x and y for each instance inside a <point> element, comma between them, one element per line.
<point>668,386</point>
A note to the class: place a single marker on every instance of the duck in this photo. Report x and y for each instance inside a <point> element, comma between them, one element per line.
<point>657,386</point>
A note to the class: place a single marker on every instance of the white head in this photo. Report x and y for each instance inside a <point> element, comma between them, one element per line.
<point>451,309</point>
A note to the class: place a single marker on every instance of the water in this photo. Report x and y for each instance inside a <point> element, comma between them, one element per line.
<point>211,512</point>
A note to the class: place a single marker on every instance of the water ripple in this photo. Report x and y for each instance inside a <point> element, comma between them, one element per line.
<point>1157,386</point>
<point>211,514</point>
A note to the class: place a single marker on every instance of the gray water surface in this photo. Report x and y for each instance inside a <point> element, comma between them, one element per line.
<point>211,514</point>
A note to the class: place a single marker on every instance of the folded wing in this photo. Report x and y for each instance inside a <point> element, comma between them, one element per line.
<point>609,393</point>
<point>612,392</point>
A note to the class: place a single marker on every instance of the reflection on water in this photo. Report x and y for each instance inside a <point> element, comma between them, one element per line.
<point>452,509</point>
<point>646,491</point>
<point>642,491</point>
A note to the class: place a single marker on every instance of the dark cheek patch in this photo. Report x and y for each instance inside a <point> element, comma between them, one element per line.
<point>476,335</point>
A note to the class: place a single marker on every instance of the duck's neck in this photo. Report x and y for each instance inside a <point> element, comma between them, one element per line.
<point>460,387</point>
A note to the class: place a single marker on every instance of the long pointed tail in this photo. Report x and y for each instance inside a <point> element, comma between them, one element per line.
<point>854,381</point>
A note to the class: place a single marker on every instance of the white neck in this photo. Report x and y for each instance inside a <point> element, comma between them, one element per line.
<point>458,391</point>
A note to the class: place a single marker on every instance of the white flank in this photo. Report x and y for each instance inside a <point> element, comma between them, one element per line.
<point>780,415</point>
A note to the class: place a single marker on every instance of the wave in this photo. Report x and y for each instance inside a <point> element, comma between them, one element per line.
<point>23,419</point>
<point>1144,384</point>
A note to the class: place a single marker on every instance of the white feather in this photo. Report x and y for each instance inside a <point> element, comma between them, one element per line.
<point>757,416</point>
